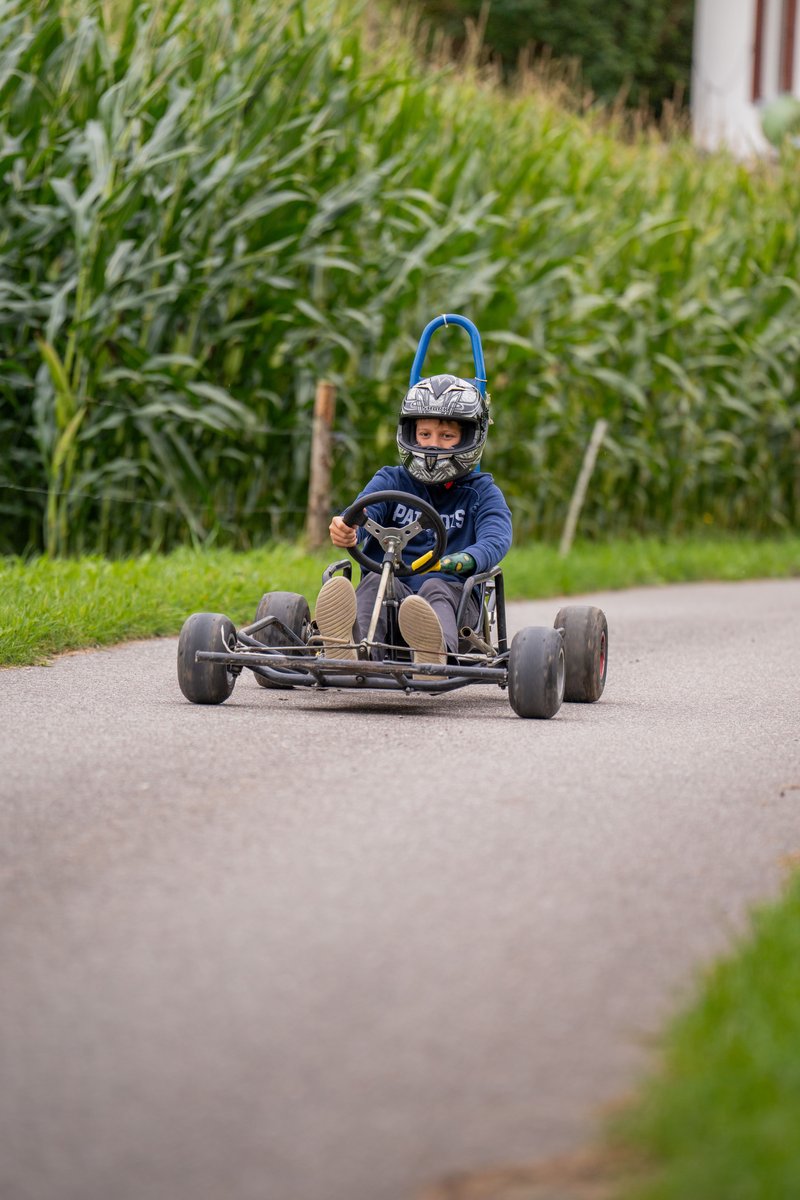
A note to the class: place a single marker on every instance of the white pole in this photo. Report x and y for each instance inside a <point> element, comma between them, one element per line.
<point>579,495</point>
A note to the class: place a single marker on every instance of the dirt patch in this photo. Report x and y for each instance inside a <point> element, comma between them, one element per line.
<point>598,1173</point>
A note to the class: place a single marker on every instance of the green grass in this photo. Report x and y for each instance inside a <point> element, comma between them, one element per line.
<point>536,570</point>
<point>48,606</point>
<point>721,1119</point>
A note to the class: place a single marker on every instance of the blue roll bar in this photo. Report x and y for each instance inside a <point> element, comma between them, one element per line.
<point>474,337</point>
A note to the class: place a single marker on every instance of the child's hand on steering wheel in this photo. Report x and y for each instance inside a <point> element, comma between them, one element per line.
<point>342,534</point>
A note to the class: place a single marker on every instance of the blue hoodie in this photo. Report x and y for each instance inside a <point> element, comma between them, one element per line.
<point>474,511</point>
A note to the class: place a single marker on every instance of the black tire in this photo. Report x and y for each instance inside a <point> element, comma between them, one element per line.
<point>586,645</point>
<point>205,682</point>
<point>536,671</point>
<point>293,610</point>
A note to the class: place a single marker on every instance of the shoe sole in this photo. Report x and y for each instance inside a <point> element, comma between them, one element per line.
<point>335,615</point>
<point>420,627</point>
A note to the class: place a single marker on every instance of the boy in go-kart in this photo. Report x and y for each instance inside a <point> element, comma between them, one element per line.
<point>441,433</point>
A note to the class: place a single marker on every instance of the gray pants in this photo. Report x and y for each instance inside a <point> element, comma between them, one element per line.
<point>443,598</point>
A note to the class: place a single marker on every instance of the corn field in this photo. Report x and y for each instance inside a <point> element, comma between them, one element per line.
<point>209,205</point>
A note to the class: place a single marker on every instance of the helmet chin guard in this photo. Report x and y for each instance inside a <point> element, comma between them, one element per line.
<point>446,398</point>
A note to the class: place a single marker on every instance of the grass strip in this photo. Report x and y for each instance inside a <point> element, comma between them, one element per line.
<point>720,1118</point>
<point>537,571</point>
<point>51,605</point>
<point>48,606</point>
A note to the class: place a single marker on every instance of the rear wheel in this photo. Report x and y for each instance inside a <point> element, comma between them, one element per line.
<point>293,611</point>
<point>536,672</point>
<point>586,646</point>
<point>205,682</point>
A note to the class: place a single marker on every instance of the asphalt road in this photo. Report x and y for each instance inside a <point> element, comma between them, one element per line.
<point>332,947</point>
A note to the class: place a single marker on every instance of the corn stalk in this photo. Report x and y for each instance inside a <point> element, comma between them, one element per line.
<point>208,206</point>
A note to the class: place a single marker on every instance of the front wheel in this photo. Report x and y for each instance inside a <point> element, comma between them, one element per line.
<point>205,682</point>
<point>586,647</point>
<point>536,670</point>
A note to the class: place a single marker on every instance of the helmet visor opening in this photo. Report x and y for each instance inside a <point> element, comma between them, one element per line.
<point>469,437</point>
<point>465,431</point>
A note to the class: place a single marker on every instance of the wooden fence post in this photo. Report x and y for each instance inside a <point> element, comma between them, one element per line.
<point>579,495</point>
<point>318,514</point>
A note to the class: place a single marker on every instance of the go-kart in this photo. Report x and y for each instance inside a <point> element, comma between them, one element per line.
<point>283,648</point>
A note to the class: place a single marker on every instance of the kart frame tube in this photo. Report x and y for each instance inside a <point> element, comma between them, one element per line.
<point>324,672</point>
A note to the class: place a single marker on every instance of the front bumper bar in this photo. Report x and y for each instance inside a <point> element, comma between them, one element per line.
<point>286,670</point>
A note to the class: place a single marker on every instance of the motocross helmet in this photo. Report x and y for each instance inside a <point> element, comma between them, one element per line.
<point>447,398</point>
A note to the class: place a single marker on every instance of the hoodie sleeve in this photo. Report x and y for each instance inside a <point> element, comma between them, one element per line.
<point>492,525</point>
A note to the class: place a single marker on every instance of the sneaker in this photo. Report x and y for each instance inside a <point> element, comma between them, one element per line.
<point>420,627</point>
<point>335,615</point>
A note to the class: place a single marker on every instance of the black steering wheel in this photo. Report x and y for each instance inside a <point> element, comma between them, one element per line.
<point>393,540</point>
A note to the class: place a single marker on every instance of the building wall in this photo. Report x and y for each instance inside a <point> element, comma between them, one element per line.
<point>724,111</point>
